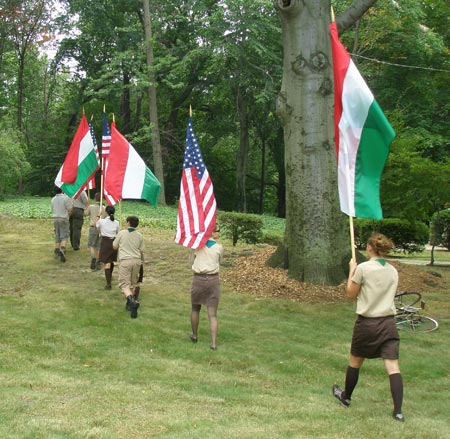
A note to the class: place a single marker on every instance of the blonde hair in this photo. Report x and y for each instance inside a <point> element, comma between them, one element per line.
<point>380,244</point>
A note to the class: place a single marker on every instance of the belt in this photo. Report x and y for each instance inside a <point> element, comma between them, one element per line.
<point>206,275</point>
<point>79,208</point>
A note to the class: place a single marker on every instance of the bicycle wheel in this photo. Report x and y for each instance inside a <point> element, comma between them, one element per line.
<point>419,323</point>
<point>406,298</point>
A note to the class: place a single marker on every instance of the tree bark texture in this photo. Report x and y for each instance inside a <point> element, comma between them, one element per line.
<point>317,233</point>
<point>153,108</point>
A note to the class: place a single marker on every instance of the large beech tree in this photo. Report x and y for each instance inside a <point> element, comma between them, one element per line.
<point>317,233</point>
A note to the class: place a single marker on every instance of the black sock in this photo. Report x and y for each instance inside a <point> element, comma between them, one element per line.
<point>351,379</point>
<point>108,276</point>
<point>396,382</point>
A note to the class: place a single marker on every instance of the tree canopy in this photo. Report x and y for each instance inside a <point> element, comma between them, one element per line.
<point>225,59</point>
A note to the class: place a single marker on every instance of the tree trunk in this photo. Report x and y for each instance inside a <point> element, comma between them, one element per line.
<point>241,165</point>
<point>153,109</point>
<point>262,181</point>
<point>125,102</point>
<point>317,234</point>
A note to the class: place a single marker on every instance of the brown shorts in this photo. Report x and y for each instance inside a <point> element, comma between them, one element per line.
<point>205,290</point>
<point>375,337</point>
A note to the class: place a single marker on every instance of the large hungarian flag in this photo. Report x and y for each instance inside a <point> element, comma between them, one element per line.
<point>127,176</point>
<point>197,204</point>
<point>363,136</point>
<point>81,162</point>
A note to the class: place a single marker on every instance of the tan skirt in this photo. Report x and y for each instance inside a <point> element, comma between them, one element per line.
<point>375,337</point>
<point>205,290</point>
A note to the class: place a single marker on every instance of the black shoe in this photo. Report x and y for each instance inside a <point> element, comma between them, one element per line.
<point>398,417</point>
<point>337,393</point>
<point>93,264</point>
<point>56,253</point>
<point>134,305</point>
<point>213,348</point>
<point>193,339</point>
<point>62,256</point>
<point>127,306</point>
<point>107,287</point>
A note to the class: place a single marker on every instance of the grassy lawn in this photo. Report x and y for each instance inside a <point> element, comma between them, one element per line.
<point>74,365</point>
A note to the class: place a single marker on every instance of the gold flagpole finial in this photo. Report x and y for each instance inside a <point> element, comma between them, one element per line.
<point>114,118</point>
<point>190,110</point>
<point>92,117</point>
<point>104,108</point>
<point>332,15</point>
<point>83,110</point>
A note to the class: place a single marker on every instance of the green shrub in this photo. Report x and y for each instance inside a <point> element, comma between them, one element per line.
<point>241,226</point>
<point>440,228</point>
<point>407,236</point>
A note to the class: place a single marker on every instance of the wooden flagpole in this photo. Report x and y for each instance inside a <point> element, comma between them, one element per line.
<point>102,170</point>
<point>352,230</point>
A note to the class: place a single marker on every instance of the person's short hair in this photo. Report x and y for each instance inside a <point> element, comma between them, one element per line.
<point>133,220</point>
<point>58,190</point>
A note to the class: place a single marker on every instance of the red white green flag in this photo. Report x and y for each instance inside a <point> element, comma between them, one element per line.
<point>363,136</point>
<point>81,162</point>
<point>127,176</point>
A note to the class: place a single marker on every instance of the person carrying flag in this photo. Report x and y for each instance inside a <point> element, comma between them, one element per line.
<point>80,203</point>
<point>130,246</point>
<point>374,285</point>
<point>61,211</point>
<point>205,289</point>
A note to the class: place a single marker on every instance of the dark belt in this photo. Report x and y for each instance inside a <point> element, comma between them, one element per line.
<point>206,275</point>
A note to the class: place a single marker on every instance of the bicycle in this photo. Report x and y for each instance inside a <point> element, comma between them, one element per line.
<point>409,316</point>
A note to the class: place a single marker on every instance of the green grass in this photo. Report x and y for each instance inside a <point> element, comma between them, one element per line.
<point>74,365</point>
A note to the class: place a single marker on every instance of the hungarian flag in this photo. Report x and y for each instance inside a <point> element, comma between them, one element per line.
<point>81,162</point>
<point>363,136</point>
<point>197,209</point>
<point>127,176</point>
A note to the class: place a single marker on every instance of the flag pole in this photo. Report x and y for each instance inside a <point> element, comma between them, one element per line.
<point>101,174</point>
<point>190,110</point>
<point>352,230</point>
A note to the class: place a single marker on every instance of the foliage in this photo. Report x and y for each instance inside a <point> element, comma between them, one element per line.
<point>407,236</point>
<point>241,226</point>
<point>13,164</point>
<point>413,187</point>
<point>440,228</point>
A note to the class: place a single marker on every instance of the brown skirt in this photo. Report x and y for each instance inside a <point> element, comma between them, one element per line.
<point>375,337</point>
<point>205,290</point>
<point>107,254</point>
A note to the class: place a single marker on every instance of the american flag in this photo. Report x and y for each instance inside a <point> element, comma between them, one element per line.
<point>197,209</point>
<point>106,137</point>
<point>106,149</point>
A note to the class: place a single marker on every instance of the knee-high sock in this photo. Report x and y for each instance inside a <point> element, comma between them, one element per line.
<point>108,276</point>
<point>351,379</point>
<point>396,382</point>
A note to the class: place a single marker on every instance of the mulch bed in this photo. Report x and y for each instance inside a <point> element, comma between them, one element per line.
<point>250,275</point>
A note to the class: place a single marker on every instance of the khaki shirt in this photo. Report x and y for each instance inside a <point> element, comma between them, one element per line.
<point>378,288</point>
<point>130,244</point>
<point>207,259</point>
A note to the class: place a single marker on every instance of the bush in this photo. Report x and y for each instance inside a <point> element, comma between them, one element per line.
<point>241,226</point>
<point>407,236</point>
